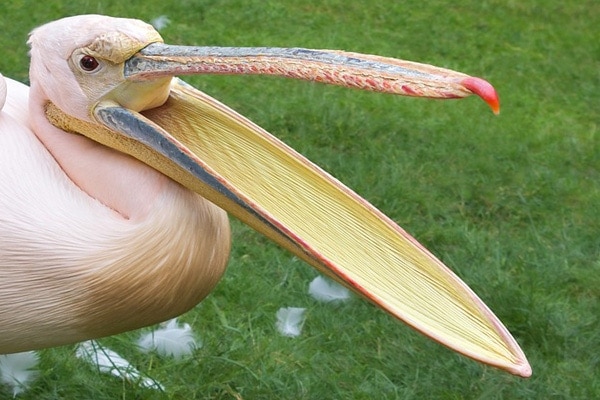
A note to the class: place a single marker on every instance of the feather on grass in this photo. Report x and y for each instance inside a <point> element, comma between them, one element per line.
<point>172,340</point>
<point>18,370</point>
<point>290,321</point>
<point>160,22</point>
<point>112,363</point>
<point>325,290</point>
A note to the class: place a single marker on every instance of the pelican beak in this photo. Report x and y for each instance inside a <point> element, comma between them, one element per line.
<point>234,163</point>
<point>353,70</point>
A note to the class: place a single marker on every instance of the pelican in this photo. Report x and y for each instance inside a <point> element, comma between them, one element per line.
<point>116,176</point>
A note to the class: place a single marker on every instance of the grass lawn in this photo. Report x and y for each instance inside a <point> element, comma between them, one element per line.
<point>508,202</point>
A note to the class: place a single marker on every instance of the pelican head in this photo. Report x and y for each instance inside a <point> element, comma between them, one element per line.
<point>113,81</point>
<point>87,64</point>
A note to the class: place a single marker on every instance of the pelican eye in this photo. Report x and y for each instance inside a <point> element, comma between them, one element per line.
<point>88,63</point>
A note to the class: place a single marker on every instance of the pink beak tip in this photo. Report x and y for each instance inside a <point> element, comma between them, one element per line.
<point>485,90</point>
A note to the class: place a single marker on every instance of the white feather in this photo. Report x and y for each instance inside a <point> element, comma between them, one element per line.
<point>290,320</point>
<point>326,290</point>
<point>171,340</point>
<point>160,22</point>
<point>110,362</point>
<point>17,370</point>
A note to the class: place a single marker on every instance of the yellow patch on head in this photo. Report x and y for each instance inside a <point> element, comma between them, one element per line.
<point>117,47</point>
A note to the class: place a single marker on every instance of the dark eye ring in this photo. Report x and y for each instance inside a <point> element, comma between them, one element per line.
<point>88,63</point>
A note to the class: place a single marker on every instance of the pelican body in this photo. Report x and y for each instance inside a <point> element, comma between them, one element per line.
<point>55,237</point>
<point>116,179</point>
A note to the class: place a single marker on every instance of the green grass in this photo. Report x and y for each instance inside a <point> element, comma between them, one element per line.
<point>509,202</point>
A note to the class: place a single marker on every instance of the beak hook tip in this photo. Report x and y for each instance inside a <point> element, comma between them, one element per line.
<point>485,90</point>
